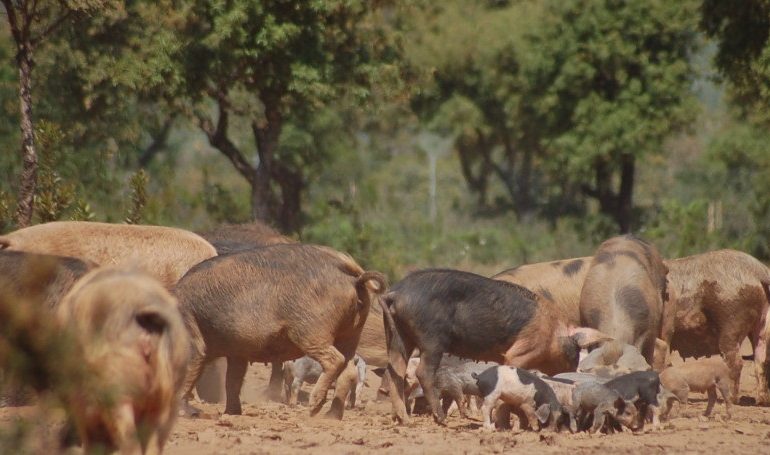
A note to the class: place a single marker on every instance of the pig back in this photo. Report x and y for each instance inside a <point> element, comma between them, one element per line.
<point>29,274</point>
<point>253,297</point>
<point>163,252</point>
<point>470,314</point>
<point>556,282</point>
<point>228,238</point>
<point>623,293</point>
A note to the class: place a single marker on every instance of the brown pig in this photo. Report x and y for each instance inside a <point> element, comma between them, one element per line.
<point>39,277</point>
<point>163,252</point>
<point>702,375</point>
<point>229,238</point>
<point>624,293</point>
<point>556,282</point>
<point>273,304</point>
<point>134,344</point>
<point>18,268</point>
<point>720,298</point>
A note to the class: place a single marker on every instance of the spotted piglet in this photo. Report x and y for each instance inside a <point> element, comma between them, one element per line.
<point>528,396</point>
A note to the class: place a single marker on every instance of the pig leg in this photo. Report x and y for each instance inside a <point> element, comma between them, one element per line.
<point>502,416</point>
<point>426,373</point>
<point>486,410</point>
<point>273,392</point>
<point>599,418</point>
<point>712,394</point>
<point>345,386</point>
<point>455,394</point>
<point>194,370</point>
<point>293,394</point>
<point>759,343</point>
<point>730,350</point>
<point>124,430</point>
<point>724,389</point>
<point>236,371</point>
<point>333,362</point>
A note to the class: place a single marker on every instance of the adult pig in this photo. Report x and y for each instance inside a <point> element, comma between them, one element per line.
<point>163,252</point>
<point>48,276</point>
<point>228,238</point>
<point>273,304</point>
<point>558,282</point>
<point>134,345</point>
<point>624,292</point>
<point>474,317</point>
<point>720,298</point>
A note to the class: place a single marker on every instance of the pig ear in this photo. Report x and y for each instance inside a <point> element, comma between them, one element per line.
<point>620,404</point>
<point>542,413</point>
<point>379,371</point>
<point>586,337</point>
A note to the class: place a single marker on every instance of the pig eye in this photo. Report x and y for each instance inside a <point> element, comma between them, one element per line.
<point>151,322</point>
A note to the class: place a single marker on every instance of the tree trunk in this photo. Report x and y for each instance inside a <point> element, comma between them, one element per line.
<point>624,205</point>
<point>28,182</point>
<point>266,135</point>
<point>291,183</point>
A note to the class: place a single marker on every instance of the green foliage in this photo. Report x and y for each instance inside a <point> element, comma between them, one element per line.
<point>54,194</point>
<point>138,199</point>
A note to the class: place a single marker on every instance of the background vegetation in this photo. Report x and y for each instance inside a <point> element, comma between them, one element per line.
<point>469,134</point>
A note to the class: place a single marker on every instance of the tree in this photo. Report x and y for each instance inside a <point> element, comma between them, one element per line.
<point>259,66</point>
<point>608,81</point>
<point>474,92</point>
<point>742,32</point>
<point>31,23</point>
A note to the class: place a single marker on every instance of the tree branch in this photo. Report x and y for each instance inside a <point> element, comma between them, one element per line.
<point>158,142</point>
<point>218,139</point>
<point>54,25</point>
<point>13,21</point>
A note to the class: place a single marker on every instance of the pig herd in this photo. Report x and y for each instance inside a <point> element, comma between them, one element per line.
<point>579,344</point>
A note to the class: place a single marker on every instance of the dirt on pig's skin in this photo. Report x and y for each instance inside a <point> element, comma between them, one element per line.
<point>267,427</point>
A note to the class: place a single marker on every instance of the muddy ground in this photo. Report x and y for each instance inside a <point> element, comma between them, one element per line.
<point>267,427</point>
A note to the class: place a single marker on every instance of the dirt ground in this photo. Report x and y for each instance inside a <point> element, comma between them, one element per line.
<point>267,427</point>
<point>275,428</point>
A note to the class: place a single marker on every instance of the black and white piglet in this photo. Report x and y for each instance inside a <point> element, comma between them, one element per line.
<point>528,396</point>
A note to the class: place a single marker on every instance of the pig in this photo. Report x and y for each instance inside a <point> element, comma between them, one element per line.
<point>277,303</point>
<point>613,358</point>
<point>307,370</point>
<point>702,375</point>
<point>643,389</point>
<point>454,381</point>
<point>16,267</point>
<point>592,400</point>
<point>529,396</point>
<point>557,282</point>
<point>624,293</point>
<point>165,253</point>
<point>579,378</point>
<point>443,311</point>
<point>134,344</point>
<point>561,387</point>
<point>720,298</point>
<point>40,277</point>
<point>229,238</point>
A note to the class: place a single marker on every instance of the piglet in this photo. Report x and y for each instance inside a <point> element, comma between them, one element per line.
<point>592,400</point>
<point>702,375</point>
<point>643,389</point>
<point>527,395</point>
